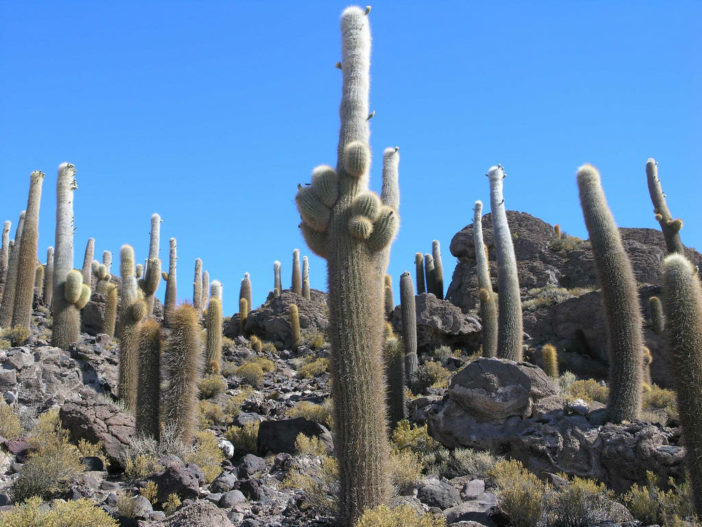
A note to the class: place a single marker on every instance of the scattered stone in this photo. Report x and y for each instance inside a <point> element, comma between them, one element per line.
<point>279,436</point>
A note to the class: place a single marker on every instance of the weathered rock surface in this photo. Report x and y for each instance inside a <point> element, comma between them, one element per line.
<point>198,514</point>
<point>275,437</point>
<point>92,316</point>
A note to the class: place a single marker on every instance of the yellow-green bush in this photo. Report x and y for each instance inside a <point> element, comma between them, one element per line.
<point>309,446</point>
<point>431,374</point>
<point>413,437</point>
<point>402,516</point>
<point>150,492</point>
<point>321,486</point>
<point>211,414</point>
<point>212,385</point>
<point>256,343</point>
<point>5,344</point>
<point>313,367</point>
<point>268,347</point>
<point>77,513</point>
<point>459,462</point>
<point>519,491</point>
<point>10,427</point>
<point>228,368</point>
<point>657,398</point>
<point>244,438</point>
<point>314,339</point>
<point>18,335</point>
<point>207,455</point>
<point>405,469</point>
<point>171,504</point>
<point>582,503</point>
<point>588,390</point>
<point>652,505</point>
<point>141,466</point>
<point>251,373</point>
<point>232,405</point>
<point>320,413</point>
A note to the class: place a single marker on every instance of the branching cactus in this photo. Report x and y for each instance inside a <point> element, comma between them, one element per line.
<point>213,323</point>
<point>132,310</point>
<point>39,282</point>
<point>488,310</point>
<point>305,277</point>
<point>148,398</point>
<point>7,305</point>
<point>296,276</point>
<point>619,297</point>
<point>27,260</point>
<point>197,285</point>
<point>183,367</point>
<point>352,228</point>
<point>409,324</point>
<point>509,334</point>
<point>88,261</point>
<point>139,272</point>
<point>245,291</point>
<point>429,273</point>
<point>683,312</point>
<point>149,284</point>
<point>110,310</point>
<point>389,300</point>
<point>419,265</point>
<point>169,304</point>
<point>669,226</point>
<point>657,318</point>
<point>49,277</point>
<point>438,270</point>
<point>549,354</point>
<point>102,279</point>
<point>294,326</point>
<point>277,283</point>
<point>4,254</point>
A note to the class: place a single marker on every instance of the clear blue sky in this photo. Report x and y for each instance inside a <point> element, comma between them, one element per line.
<point>210,113</point>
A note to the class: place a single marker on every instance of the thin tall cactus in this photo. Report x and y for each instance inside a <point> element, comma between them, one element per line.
<point>27,260</point>
<point>277,283</point>
<point>429,273</point>
<point>619,297</point>
<point>296,276</point>
<point>657,318</point>
<point>88,261</point>
<point>419,264</point>
<point>213,323</point>
<point>389,300</point>
<point>49,277</point>
<point>152,270</point>
<point>38,291</point>
<point>294,326</point>
<point>245,290</point>
<point>111,303</point>
<point>148,397</point>
<point>488,310</point>
<point>169,303</point>
<point>4,255</point>
<point>409,324</point>
<point>669,226</point>
<point>8,298</point>
<point>205,298</point>
<point>107,260</point>
<point>352,228</point>
<point>438,269</point>
<point>509,335</point>
<point>197,286</point>
<point>305,278</point>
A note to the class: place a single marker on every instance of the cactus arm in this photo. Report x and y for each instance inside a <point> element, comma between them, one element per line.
<point>669,226</point>
<point>419,272</point>
<point>88,260</point>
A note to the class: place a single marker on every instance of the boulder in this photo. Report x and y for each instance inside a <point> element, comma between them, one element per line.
<point>440,493</point>
<point>279,436</point>
<point>92,317</point>
<point>198,514</point>
<point>178,478</point>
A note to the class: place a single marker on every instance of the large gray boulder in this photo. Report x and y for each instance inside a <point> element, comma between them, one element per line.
<point>201,513</point>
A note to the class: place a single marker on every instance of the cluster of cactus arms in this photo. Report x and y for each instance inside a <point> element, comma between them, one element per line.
<point>669,226</point>
<point>408,309</point>
<point>683,312</point>
<point>488,309</point>
<point>4,255</point>
<point>619,296</point>
<point>152,271</point>
<point>87,269</point>
<point>213,323</point>
<point>169,303</point>
<point>27,257</point>
<point>296,285</point>
<point>305,277</point>
<point>139,271</point>
<point>389,300</point>
<point>419,264</point>
<point>7,304</point>
<point>277,283</point>
<point>352,228</point>
<point>197,285</point>
<point>510,332</point>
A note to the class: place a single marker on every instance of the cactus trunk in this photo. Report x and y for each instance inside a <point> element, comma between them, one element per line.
<point>488,311</point>
<point>7,305</point>
<point>669,226</point>
<point>4,255</point>
<point>409,324</point>
<point>305,278</point>
<point>213,323</point>
<point>296,276</point>
<point>49,277</point>
<point>419,264</point>
<point>88,261</point>
<point>277,283</point>
<point>148,398</point>
<point>438,270</point>
<point>169,303</point>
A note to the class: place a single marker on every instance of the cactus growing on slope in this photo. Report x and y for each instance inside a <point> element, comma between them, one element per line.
<point>49,277</point>
<point>438,270</point>
<point>243,313</point>
<point>669,226</point>
<point>107,260</point>
<point>409,324</point>
<point>102,278</point>
<point>245,291</point>
<point>488,311</point>
<point>429,273</point>
<point>395,374</point>
<point>197,285</point>
<point>148,397</point>
<point>296,276</point>
<point>419,264</point>
<point>305,277</point>
<point>205,298</point>
<point>509,334</point>
<point>27,258</point>
<point>549,354</point>
<point>683,312</point>
<point>619,297</point>
<point>4,254</point>
<point>8,298</point>
<point>169,303</point>
<point>294,326</point>
<point>352,228</point>
<point>39,282</point>
<point>213,323</point>
<point>110,310</point>
<point>277,283</point>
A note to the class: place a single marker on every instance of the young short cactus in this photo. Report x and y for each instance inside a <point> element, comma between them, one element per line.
<point>110,310</point>
<point>619,297</point>
<point>7,305</point>
<point>657,318</point>
<point>102,278</point>
<point>510,333</point>
<point>183,369</point>
<point>139,271</point>
<point>669,226</point>
<point>395,374</point>
<point>294,326</point>
<point>419,265</point>
<point>409,324</point>
<point>305,278</point>
<point>438,270</point>
<point>277,283</point>
<point>352,228</point>
<point>683,313</point>
<point>646,361</point>
<point>27,258</point>
<point>296,276</point>
<point>389,300</point>
<point>169,303</point>
<point>549,354</point>
<point>148,397</point>
<point>429,273</point>
<point>49,277</point>
<point>4,255</point>
<point>245,291</point>
<point>197,286</point>
<point>88,261</point>
<point>557,234</point>
<point>243,313</point>
<point>39,283</point>
<point>488,310</point>
<point>213,323</point>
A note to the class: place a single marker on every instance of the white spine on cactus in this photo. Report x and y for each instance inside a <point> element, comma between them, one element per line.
<point>277,282</point>
<point>155,238</point>
<point>128,288</point>
<point>216,290</point>
<point>197,285</point>
<point>63,251</point>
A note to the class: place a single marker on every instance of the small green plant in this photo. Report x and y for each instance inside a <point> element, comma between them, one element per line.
<point>150,492</point>
<point>459,462</point>
<point>251,373</point>
<point>229,368</point>
<point>582,503</point>
<point>313,367</point>
<point>519,491</point>
<point>652,505</point>
<point>589,391</point>
<point>320,413</point>
<point>232,405</point>
<point>10,427</point>
<point>17,335</point>
<point>657,398</point>
<point>566,244</point>
<point>5,344</point>
<point>314,339</point>
<point>432,374</point>
<point>402,516</point>
<point>126,505</point>
<point>320,487</point>
<point>406,468</point>
<point>212,385</point>
<point>207,455</point>
<point>211,414</point>
<point>76,513</point>
<point>141,466</point>
<point>310,446</point>
<point>171,504</point>
<point>244,438</point>
<point>256,343</point>
<point>268,347</point>
<point>412,437</point>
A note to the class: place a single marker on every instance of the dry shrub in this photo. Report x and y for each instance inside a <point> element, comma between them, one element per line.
<point>413,437</point>
<point>244,438</point>
<point>652,505</point>
<point>402,516</point>
<point>212,385</point>
<point>582,503</point>
<point>406,468</point>
<point>519,491</point>
<point>313,367</point>
<point>211,414</point>
<point>250,373</point>
<point>589,391</point>
<point>76,513</point>
<point>141,466</point>
<point>207,455</point>
<point>320,413</point>
<point>10,427</point>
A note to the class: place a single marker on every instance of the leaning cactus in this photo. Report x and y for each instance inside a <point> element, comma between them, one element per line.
<point>657,318</point>
<point>27,258</point>
<point>4,254</point>
<point>148,397</point>
<point>197,286</point>
<point>277,284</point>
<point>49,277</point>
<point>352,228</point>
<point>305,278</point>
<point>683,313</point>
<point>296,277</point>
<point>7,305</point>
<point>294,326</point>
<point>169,303</point>
<point>669,226</point>
<point>438,270</point>
<point>509,334</point>
<point>409,324</point>
<point>619,296</point>
<point>419,264</point>
<point>213,323</point>
<point>488,311</point>
<point>88,261</point>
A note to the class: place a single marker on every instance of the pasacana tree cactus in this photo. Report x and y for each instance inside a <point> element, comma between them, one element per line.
<point>4,254</point>
<point>352,228</point>
<point>245,291</point>
<point>169,303</point>
<point>438,270</point>
<point>148,398</point>
<point>409,324</point>
<point>488,310</point>
<point>7,305</point>
<point>669,226</point>
<point>213,323</point>
<point>87,269</point>
<point>305,277</point>
<point>277,283</point>
<point>296,275</point>
<point>49,277</point>
<point>197,285</point>
<point>419,265</point>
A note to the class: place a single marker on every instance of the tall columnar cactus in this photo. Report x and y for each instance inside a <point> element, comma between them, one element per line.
<point>305,277</point>
<point>4,255</point>
<point>657,318</point>
<point>389,196</point>
<point>169,303</point>
<point>88,261</point>
<point>389,300</point>
<point>27,260</point>
<point>39,282</point>
<point>107,260</point>
<point>205,289</point>
<point>438,270</point>
<point>409,324</point>
<point>213,323</point>
<point>419,265</point>
<point>183,368</point>
<point>352,228</point>
<point>429,273</point>
<point>619,297</point>
<point>488,310</point>
<point>197,285</point>
<point>277,283</point>
<point>216,290</point>
<point>49,277</point>
<point>294,326</point>
<point>245,291</point>
<point>132,310</point>
<point>155,236</point>
<point>296,276</point>
<point>149,283</point>
<point>148,397</point>
<point>110,319</point>
<point>549,354</point>
<point>509,334</point>
<point>683,311</point>
<point>395,374</point>
<point>243,313</point>
<point>7,305</point>
<point>669,226</point>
